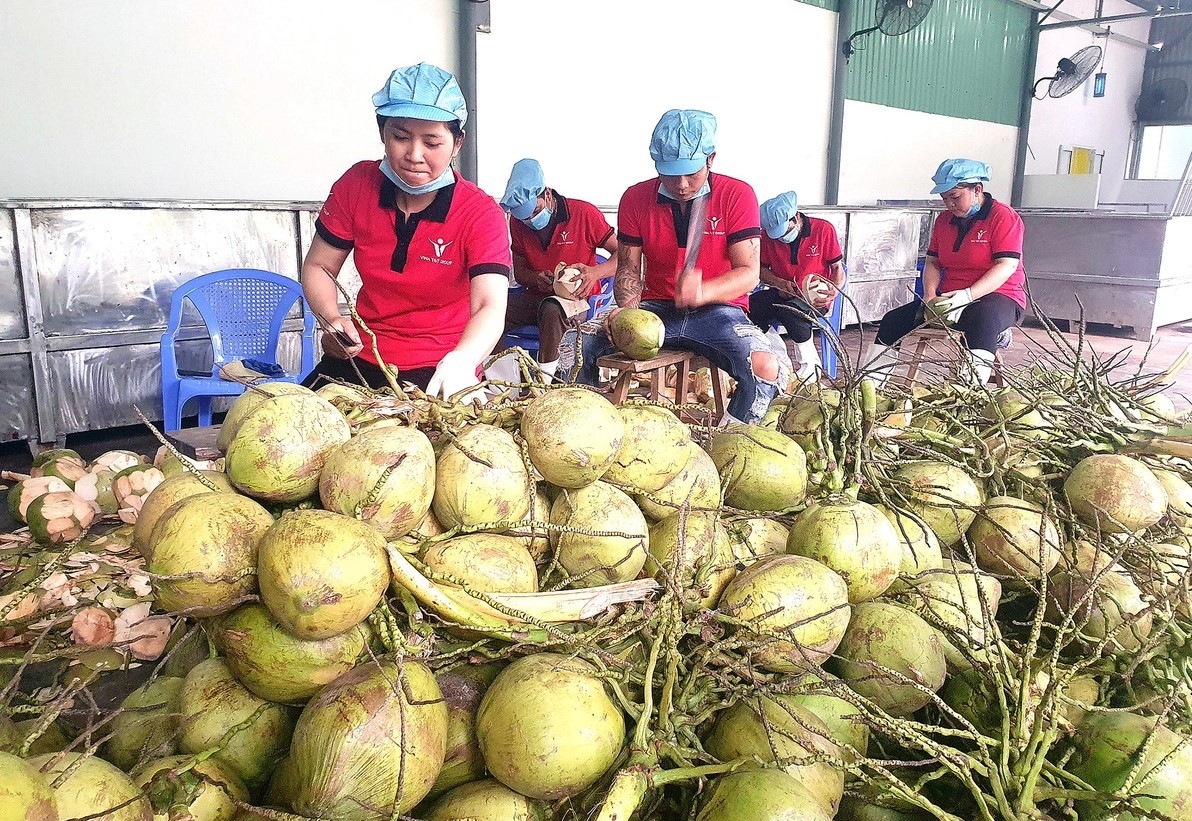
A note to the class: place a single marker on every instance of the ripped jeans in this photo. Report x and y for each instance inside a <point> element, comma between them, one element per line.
<point>722,334</point>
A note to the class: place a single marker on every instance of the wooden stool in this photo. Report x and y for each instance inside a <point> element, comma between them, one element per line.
<point>656,366</point>
<point>926,337</point>
<point>197,443</point>
<point>719,385</point>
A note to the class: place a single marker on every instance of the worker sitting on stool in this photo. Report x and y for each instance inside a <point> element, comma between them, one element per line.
<point>803,265</point>
<point>701,301</point>
<point>973,277</point>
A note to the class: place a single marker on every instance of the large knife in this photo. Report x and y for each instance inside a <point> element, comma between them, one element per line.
<point>695,238</point>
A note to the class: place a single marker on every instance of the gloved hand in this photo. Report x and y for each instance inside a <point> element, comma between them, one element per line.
<point>950,305</point>
<point>454,374</point>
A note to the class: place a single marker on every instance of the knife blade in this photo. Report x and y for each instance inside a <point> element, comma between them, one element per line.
<point>695,231</point>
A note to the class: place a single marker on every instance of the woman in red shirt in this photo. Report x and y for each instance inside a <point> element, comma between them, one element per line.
<point>973,276</point>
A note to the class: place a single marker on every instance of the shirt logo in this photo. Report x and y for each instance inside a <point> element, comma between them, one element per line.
<point>813,251</point>
<point>563,236</point>
<point>714,221</point>
<point>981,236</point>
<point>714,226</point>
<point>440,247</point>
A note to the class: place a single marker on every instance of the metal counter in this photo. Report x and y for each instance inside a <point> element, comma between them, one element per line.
<point>1128,270</point>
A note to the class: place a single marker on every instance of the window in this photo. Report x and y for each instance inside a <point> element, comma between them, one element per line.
<point>1163,152</point>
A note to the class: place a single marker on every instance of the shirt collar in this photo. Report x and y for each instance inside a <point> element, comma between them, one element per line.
<point>805,230</point>
<point>561,214</point>
<point>435,212</point>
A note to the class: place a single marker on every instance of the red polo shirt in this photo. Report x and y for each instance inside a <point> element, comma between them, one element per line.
<point>814,251</point>
<point>967,248</point>
<point>415,272</point>
<point>576,229</point>
<point>658,225</point>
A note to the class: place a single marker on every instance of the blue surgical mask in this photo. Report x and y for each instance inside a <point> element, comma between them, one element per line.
<point>976,207</point>
<point>707,189</point>
<point>791,235</point>
<point>540,220</point>
<point>445,179</point>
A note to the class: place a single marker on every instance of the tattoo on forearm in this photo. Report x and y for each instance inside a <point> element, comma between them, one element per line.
<point>627,284</point>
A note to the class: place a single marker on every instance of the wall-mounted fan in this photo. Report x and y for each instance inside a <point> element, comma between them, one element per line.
<point>894,18</point>
<point>1161,99</point>
<point>1070,73</point>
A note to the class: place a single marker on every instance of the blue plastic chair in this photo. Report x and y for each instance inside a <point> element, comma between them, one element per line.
<point>829,330</point>
<point>526,336</point>
<point>244,309</point>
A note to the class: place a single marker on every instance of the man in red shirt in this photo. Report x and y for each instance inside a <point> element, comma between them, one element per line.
<point>973,277</point>
<point>803,265</point>
<point>549,230</point>
<point>701,301</point>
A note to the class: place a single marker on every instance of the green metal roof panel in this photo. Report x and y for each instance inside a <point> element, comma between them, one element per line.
<point>830,5</point>
<point>966,59</point>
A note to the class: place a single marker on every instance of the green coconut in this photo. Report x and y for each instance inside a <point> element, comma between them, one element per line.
<point>535,538</point>
<point>1103,602</point>
<point>481,478</point>
<point>279,667</point>
<point>172,490</point>
<point>486,562</point>
<point>1021,416</point>
<point>637,333</point>
<point>692,549</point>
<point>385,477</point>
<point>653,451</point>
<point>854,539</point>
<point>615,556</point>
<point>1179,494</point>
<point>92,786</point>
<point>24,793</point>
<point>1116,493</point>
<point>281,445</point>
<point>886,652</point>
<point>214,535</point>
<point>282,785</point>
<point>1013,537</point>
<point>787,731</point>
<point>573,435</point>
<point>55,518</point>
<point>370,744</point>
<point>696,485</point>
<point>212,703</point>
<point>547,728</point>
<point>208,790</point>
<point>872,806</point>
<point>842,718</point>
<point>52,738</point>
<point>751,539</point>
<point>763,470</point>
<point>760,795</point>
<point>944,496</point>
<point>463,686</point>
<point>956,597</point>
<point>799,606</point>
<point>487,800</point>
<point>321,573</point>
<point>920,546</point>
<point>147,725</point>
<point>22,494</point>
<point>1107,752</point>
<point>246,403</point>
<point>53,454</point>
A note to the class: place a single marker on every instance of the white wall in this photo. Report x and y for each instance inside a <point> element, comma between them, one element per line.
<point>580,85</point>
<point>891,153</point>
<point>1079,118</point>
<point>221,99</point>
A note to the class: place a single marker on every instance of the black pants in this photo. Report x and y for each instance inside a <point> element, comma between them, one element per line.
<point>771,306</point>
<point>330,368</point>
<point>982,321</point>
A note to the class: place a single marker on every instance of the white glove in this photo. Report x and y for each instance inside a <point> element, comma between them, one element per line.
<point>454,375</point>
<point>952,304</point>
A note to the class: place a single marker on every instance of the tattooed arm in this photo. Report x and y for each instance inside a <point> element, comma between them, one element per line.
<point>627,284</point>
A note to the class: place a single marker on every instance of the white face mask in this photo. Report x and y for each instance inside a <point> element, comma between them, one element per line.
<point>445,179</point>
<point>706,189</point>
<point>791,235</point>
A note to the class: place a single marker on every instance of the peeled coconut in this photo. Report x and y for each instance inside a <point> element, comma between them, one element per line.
<point>320,573</point>
<point>920,546</point>
<point>599,559</point>
<point>132,486</point>
<point>96,488</point>
<point>692,550</point>
<point>956,596</point>
<point>1116,493</point>
<point>945,497</point>
<point>67,468</point>
<point>637,333</point>
<point>381,725</point>
<point>547,728</point>
<point>147,724</point>
<point>246,403</point>
<point>763,470</point>
<point>481,478</point>
<point>788,731</point>
<point>854,539</point>
<point>384,477</point>
<point>803,602</point>
<point>463,686</point>
<point>212,703</point>
<point>115,460</point>
<point>281,445</point>
<point>217,788</point>
<point>172,490</point>
<point>573,435</point>
<point>24,792</point>
<point>653,450</point>
<point>93,786</point>
<point>486,562</point>
<point>886,651</point>
<point>487,800</point>
<point>279,667</point>
<point>54,454</point>
<point>212,535</point>
<point>22,494</point>
<point>760,795</point>
<point>1013,537</point>
<point>56,518</point>
<point>751,539</point>
<point>696,485</point>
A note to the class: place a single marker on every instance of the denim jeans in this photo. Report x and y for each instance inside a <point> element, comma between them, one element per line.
<point>722,334</point>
